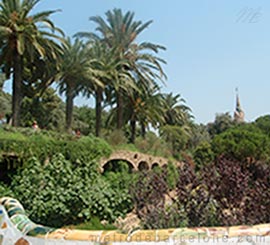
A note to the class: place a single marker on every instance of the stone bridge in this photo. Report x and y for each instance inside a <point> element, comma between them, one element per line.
<point>137,160</point>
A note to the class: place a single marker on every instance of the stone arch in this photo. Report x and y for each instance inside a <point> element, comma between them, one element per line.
<point>143,165</point>
<point>155,165</point>
<point>112,164</point>
<point>134,159</point>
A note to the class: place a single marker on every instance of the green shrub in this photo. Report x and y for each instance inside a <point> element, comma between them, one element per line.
<point>5,191</point>
<point>85,148</point>
<point>60,193</point>
<point>172,175</point>
<point>152,144</point>
<point>203,155</point>
<point>106,202</point>
<point>120,179</point>
<point>242,142</point>
<point>263,123</point>
<point>43,146</point>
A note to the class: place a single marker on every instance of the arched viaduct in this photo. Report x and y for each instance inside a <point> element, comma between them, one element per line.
<point>137,160</point>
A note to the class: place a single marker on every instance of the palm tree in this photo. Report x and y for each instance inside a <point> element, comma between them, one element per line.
<point>118,31</point>
<point>75,72</point>
<point>39,74</point>
<point>144,107</point>
<point>107,68</point>
<point>22,34</point>
<point>144,64</point>
<point>146,69</point>
<point>176,112</point>
<point>176,127</point>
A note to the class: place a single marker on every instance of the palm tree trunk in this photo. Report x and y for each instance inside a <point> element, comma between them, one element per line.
<point>120,109</point>
<point>69,108</point>
<point>133,129</point>
<point>143,130</point>
<point>16,90</point>
<point>98,111</point>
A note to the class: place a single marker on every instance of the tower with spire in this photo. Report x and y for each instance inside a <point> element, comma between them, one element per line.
<point>239,115</point>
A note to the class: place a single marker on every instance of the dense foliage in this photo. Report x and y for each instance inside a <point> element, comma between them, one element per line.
<point>243,142</point>
<point>26,143</point>
<point>240,189</point>
<point>226,192</point>
<point>47,109</point>
<point>60,193</point>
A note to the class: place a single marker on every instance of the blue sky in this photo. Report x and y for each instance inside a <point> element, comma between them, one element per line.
<point>213,46</point>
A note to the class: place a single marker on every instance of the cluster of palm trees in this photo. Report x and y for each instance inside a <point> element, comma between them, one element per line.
<point>108,64</point>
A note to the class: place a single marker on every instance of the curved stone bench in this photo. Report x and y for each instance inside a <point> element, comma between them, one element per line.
<point>16,228</point>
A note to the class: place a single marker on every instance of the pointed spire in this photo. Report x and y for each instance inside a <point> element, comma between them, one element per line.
<point>238,107</point>
<point>239,115</point>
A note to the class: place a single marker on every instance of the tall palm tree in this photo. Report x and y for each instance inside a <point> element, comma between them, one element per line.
<point>118,31</point>
<point>75,72</point>
<point>107,68</point>
<point>144,63</point>
<point>146,69</point>
<point>22,34</point>
<point>39,74</point>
